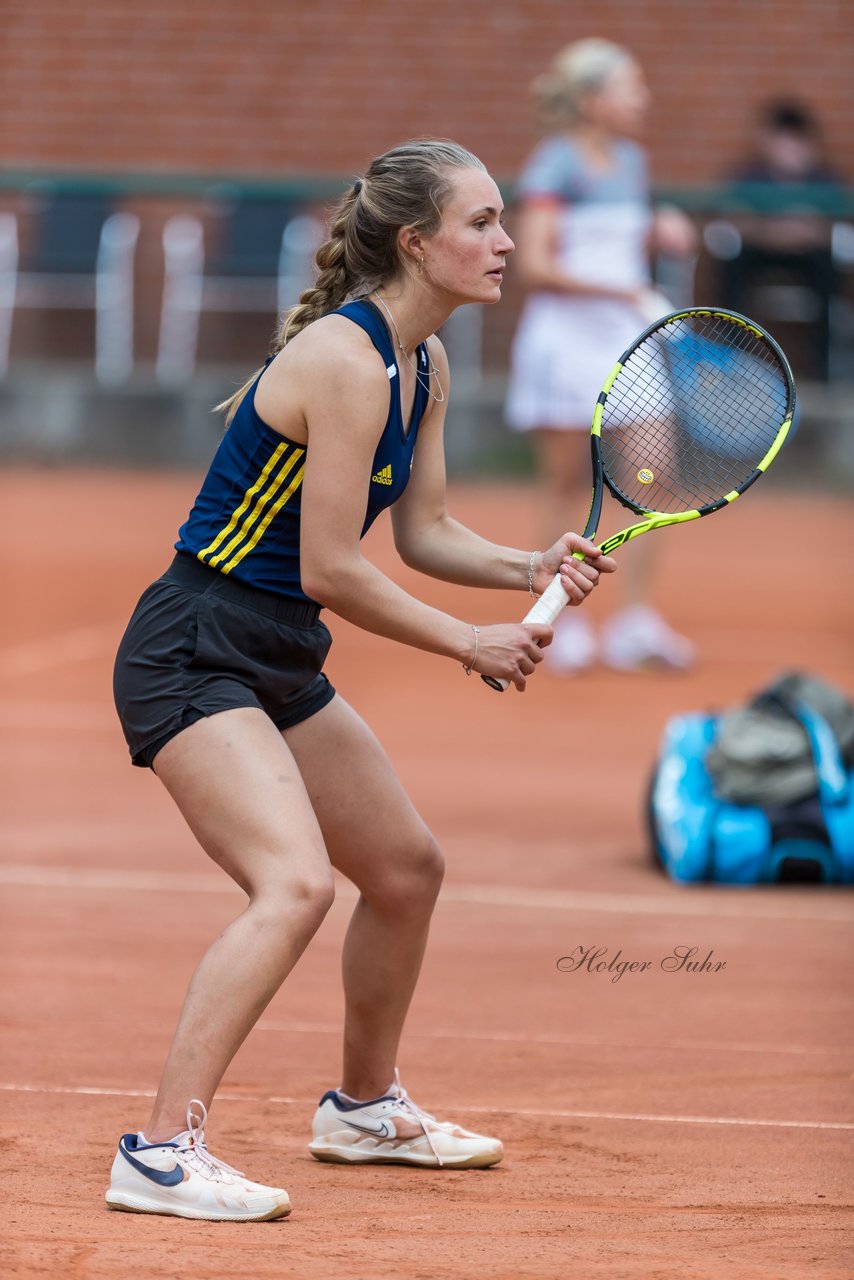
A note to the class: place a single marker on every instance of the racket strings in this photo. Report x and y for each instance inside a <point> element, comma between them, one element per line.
<point>695,408</point>
<point>648,444</point>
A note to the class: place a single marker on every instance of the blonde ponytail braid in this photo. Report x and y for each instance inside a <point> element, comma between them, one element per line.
<point>407,186</point>
<point>332,285</point>
<point>328,292</point>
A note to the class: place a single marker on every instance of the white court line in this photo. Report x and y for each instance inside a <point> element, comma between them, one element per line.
<point>825,906</point>
<point>641,1117</point>
<point>76,717</point>
<point>522,1037</point>
<point>655,1119</point>
<point>574,1042</point>
<point>123,881</point>
<point>79,645</point>
<point>74,838</point>
<point>704,901</point>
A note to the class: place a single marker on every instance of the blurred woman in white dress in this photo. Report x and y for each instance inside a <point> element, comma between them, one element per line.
<point>585,234</point>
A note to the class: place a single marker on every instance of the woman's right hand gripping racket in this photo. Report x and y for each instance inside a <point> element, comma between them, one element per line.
<point>690,416</point>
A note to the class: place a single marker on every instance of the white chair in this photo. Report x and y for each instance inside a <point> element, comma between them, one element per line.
<point>8,283</point>
<point>183,264</point>
<point>101,281</point>
<point>263,267</point>
<point>114,298</point>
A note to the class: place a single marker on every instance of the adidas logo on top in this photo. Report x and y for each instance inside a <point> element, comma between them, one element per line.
<point>383,476</point>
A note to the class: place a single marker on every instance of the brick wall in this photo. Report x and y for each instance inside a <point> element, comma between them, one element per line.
<point>299,87</point>
<point>317,88</point>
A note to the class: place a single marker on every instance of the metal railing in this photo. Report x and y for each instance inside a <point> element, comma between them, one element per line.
<point>193,278</point>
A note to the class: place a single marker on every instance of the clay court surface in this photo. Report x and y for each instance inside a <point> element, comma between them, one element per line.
<point>668,1125</point>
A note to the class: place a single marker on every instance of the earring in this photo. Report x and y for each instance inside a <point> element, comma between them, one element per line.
<point>420,264</point>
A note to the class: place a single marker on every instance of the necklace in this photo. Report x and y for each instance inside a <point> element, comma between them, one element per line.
<point>434,372</point>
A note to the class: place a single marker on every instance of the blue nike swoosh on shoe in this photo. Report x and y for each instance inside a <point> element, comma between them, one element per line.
<point>381,1131</point>
<point>164,1177</point>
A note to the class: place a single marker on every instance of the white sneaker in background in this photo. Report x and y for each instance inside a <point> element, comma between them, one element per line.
<point>394,1130</point>
<point>182,1179</point>
<point>638,638</point>
<point>573,647</point>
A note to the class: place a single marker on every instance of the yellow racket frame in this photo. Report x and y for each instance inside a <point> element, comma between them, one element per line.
<point>660,519</point>
<point>554,598</point>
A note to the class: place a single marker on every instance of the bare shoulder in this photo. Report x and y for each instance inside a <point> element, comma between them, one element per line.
<point>341,378</point>
<point>334,349</point>
<point>328,368</point>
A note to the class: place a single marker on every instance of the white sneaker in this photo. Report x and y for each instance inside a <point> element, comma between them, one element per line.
<point>394,1130</point>
<point>183,1179</point>
<point>638,638</point>
<point>573,646</point>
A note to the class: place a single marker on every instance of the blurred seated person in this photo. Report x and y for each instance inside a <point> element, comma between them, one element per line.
<point>783,250</point>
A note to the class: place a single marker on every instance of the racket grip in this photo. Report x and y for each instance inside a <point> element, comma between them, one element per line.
<point>545,610</point>
<point>551,602</point>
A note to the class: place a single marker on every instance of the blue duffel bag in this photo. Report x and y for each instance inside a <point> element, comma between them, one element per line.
<point>761,795</point>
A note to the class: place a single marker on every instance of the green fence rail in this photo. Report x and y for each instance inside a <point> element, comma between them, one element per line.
<point>829,199</point>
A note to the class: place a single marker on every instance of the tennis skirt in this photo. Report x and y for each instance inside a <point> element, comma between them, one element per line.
<point>199,643</point>
<point>562,353</point>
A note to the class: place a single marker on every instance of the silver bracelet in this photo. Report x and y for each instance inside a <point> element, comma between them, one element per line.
<point>468,669</point>
<point>531,591</point>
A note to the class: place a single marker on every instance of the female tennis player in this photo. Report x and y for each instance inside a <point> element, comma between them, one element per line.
<point>220,689</point>
<point>586,231</point>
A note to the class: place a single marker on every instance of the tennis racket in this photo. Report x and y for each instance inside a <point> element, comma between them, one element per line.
<point>690,417</point>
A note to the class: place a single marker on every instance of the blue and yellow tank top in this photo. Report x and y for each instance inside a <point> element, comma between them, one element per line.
<point>246,520</point>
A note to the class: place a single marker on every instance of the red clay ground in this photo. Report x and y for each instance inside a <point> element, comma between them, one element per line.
<point>669,1125</point>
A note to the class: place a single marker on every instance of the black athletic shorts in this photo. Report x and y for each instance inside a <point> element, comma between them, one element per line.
<point>199,642</point>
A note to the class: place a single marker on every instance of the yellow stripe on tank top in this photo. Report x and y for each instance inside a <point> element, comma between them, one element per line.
<point>247,499</point>
<point>257,508</point>
<point>271,514</point>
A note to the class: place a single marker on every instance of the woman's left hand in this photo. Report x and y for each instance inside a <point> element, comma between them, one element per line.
<point>577,577</point>
<point>673,233</point>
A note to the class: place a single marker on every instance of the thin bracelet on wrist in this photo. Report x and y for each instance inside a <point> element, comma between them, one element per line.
<point>468,669</point>
<point>531,562</point>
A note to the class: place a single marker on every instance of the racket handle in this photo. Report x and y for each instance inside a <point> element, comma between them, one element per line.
<point>550,604</point>
<point>545,610</point>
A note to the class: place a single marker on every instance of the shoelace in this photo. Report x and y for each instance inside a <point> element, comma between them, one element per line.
<point>196,1153</point>
<point>404,1100</point>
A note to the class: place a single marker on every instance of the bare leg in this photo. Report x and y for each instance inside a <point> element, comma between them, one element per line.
<point>563,467</point>
<point>375,837</point>
<point>636,560</point>
<point>237,785</point>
